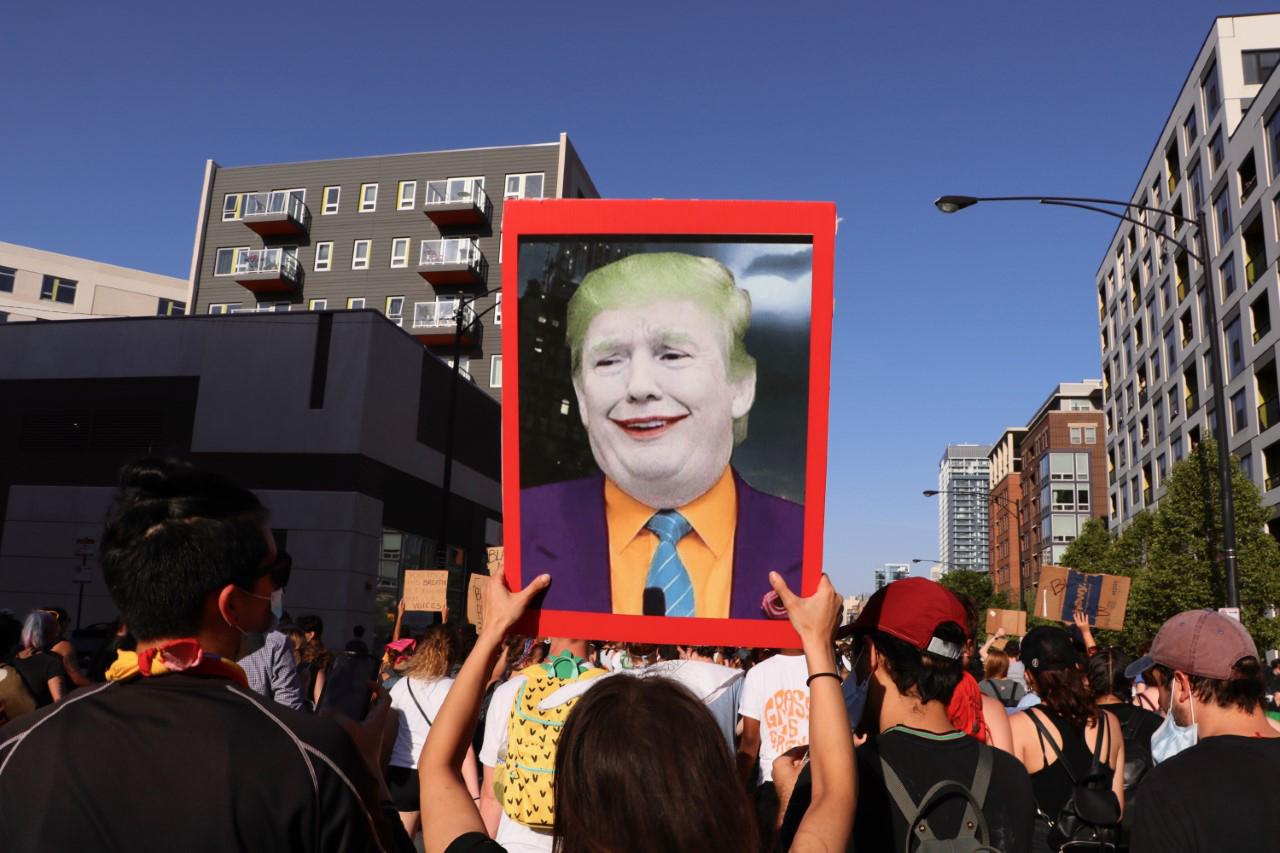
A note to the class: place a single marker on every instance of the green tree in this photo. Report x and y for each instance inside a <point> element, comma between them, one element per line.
<point>976,586</point>
<point>1091,550</point>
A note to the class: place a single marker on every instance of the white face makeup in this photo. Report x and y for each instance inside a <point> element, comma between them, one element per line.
<point>657,402</point>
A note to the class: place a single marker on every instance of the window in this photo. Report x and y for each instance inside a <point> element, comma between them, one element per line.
<point>171,308</point>
<point>368,198</point>
<point>324,257</point>
<point>1197,192</point>
<point>331,195</point>
<point>1062,466</point>
<point>1235,349</point>
<point>1090,435</point>
<point>1227,273</point>
<point>1260,313</point>
<point>318,305</point>
<point>1247,175</point>
<point>395,309</point>
<point>495,372</point>
<point>524,186</point>
<point>1212,95</point>
<point>360,255</point>
<point>1239,414</point>
<point>1077,435</point>
<point>1215,152</point>
<point>464,365</point>
<point>1258,65</point>
<point>231,206</point>
<point>224,262</point>
<point>355,302</point>
<point>1273,138</point>
<point>1189,130</point>
<point>225,308</point>
<point>400,252</point>
<point>54,289</point>
<point>7,277</point>
<point>497,310</point>
<point>406,195</point>
<point>1222,212</point>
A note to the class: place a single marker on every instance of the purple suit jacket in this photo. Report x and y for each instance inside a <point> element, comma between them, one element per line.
<point>563,532</point>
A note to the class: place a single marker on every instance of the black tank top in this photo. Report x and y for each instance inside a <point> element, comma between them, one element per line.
<point>1051,784</point>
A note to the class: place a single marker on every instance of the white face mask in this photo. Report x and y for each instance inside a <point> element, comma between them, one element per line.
<point>1171,738</point>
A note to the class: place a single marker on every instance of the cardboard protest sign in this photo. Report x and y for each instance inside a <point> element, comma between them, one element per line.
<point>1014,622</point>
<point>1103,598</point>
<point>494,562</point>
<point>475,600</point>
<point>639,336</point>
<point>426,589</point>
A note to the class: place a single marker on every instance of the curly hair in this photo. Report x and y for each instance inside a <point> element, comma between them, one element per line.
<point>1066,693</point>
<point>433,656</point>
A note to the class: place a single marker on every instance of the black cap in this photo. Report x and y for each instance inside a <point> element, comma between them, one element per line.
<point>1047,647</point>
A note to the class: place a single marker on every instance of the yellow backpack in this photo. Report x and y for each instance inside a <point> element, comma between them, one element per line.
<point>529,778</point>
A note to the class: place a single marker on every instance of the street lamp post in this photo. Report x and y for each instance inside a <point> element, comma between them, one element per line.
<point>1010,506</point>
<point>953,203</point>
<point>461,324</point>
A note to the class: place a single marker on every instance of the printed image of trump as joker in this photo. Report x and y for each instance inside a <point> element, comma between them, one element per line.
<point>664,384</point>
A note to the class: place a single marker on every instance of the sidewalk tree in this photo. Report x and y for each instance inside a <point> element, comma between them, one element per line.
<point>976,586</point>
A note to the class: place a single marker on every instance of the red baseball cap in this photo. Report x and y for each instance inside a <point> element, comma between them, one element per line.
<point>911,610</point>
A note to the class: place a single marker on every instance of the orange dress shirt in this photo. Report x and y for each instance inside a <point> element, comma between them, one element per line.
<point>707,551</point>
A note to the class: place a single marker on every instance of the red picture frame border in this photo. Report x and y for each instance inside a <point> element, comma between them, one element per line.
<point>551,218</point>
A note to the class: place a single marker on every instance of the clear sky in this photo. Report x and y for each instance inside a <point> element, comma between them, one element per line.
<point>948,329</point>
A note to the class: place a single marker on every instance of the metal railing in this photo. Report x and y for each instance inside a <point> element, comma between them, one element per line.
<point>1193,403</point>
<point>262,261</point>
<point>274,204</point>
<point>463,250</point>
<point>457,192</point>
<point>1254,270</point>
<point>441,313</point>
<point>1268,413</point>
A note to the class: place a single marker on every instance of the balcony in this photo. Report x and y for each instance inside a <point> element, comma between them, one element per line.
<point>1268,414</point>
<point>276,214</point>
<point>457,202</point>
<point>267,271</point>
<point>1142,397</point>
<point>1193,403</point>
<point>452,262</point>
<point>436,322</point>
<point>1260,333</point>
<point>1271,483</point>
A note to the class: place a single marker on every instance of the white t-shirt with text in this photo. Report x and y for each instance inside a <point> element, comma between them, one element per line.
<point>774,692</point>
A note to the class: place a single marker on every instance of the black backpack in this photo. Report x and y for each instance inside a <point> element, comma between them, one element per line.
<point>1090,819</point>
<point>1137,763</point>
<point>974,835</point>
<point>1008,698</point>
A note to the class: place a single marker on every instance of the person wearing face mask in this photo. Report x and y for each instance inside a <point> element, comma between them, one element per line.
<point>271,669</point>
<point>1217,757</point>
<point>197,761</point>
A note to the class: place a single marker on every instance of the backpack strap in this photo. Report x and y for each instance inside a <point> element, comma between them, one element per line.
<point>408,682</point>
<point>918,825</point>
<point>1045,735</point>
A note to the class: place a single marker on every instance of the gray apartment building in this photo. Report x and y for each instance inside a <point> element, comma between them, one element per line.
<point>415,236</point>
<point>963,489</point>
<point>1216,159</point>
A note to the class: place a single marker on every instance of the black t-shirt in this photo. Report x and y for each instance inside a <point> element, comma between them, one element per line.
<point>183,762</point>
<point>474,842</point>
<point>36,671</point>
<point>923,758</point>
<point>1141,722</point>
<point>1218,795</point>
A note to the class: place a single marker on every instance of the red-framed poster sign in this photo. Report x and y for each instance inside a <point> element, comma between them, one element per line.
<point>666,373</point>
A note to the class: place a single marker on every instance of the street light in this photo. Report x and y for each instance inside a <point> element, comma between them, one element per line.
<point>953,203</point>
<point>460,325</point>
<point>1010,506</point>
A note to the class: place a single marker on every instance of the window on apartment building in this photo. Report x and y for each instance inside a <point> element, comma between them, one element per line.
<point>224,260</point>
<point>400,252</point>
<point>331,196</point>
<point>368,198</point>
<point>1197,192</point>
<point>318,305</point>
<point>324,257</point>
<point>7,277</point>
<point>464,365</point>
<point>1273,142</point>
<point>1227,275</point>
<point>1235,348</point>
<point>1090,435</point>
<point>1189,130</point>
<point>1258,64</point>
<point>394,309</point>
<point>1212,94</point>
<point>497,310</point>
<point>1239,412</point>
<point>1222,213</point>
<point>56,289</point>
<point>1215,153</point>
<point>1260,315</point>
<point>355,302</point>
<point>360,254</point>
<point>1187,328</point>
<point>495,372</point>
<point>1077,434</point>
<point>1247,176</point>
<point>231,206</point>
<point>406,195</point>
<point>524,186</point>
<point>171,308</point>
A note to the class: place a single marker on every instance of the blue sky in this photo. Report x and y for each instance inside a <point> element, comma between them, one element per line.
<point>947,329</point>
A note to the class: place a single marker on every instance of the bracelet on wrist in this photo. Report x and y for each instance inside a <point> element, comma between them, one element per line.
<point>809,680</point>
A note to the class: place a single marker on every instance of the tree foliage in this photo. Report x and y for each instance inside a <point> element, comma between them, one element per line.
<point>1172,553</point>
<point>976,587</point>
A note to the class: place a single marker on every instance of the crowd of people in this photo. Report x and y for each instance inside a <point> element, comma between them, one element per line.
<point>210,719</point>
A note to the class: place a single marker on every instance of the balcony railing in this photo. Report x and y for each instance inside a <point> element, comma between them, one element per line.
<point>1268,413</point>
<point>1261,332</point>
<point>1193,403</point>
<point>1146,496</point>
<point>276,213</point>
<point>440,313</point>
<point>452,261</point>
<point>1182,290</point>
<point>457,202</point>
<point>1254,269</point>
<point>1247,185</point>
<point>267,269</point>
<point>1142,397</point>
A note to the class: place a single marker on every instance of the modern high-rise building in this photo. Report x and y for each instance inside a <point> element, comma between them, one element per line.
<point>963,489</point>
<point>1062,460</point>
<point>414,236</point>
<point>1216,160</point>
<point>1004,478</point>
<point>890,572</point>
<point>40,285</point>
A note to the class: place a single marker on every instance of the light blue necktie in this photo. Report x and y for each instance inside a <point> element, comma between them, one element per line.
<point>666,571</point>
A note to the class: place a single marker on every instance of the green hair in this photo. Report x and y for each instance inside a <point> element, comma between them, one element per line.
<point>644,278</point>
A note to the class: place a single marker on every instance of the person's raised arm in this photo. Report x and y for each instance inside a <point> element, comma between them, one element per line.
<point>448,810</point>
<point>829,820</point>
<point>986,647</point>
<point>395,633</point>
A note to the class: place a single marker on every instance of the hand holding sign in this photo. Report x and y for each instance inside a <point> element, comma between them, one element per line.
<point>502,607</point>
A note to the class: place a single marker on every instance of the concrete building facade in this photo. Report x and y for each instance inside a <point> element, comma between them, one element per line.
<point>332,418</point>
<point>40,285</point>
<point>415,236</point>
<point>1004,478</point>
<point>1216,159</point>
<point>963,516</point>
<point>890,572</point>
<point>1063,466</point>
